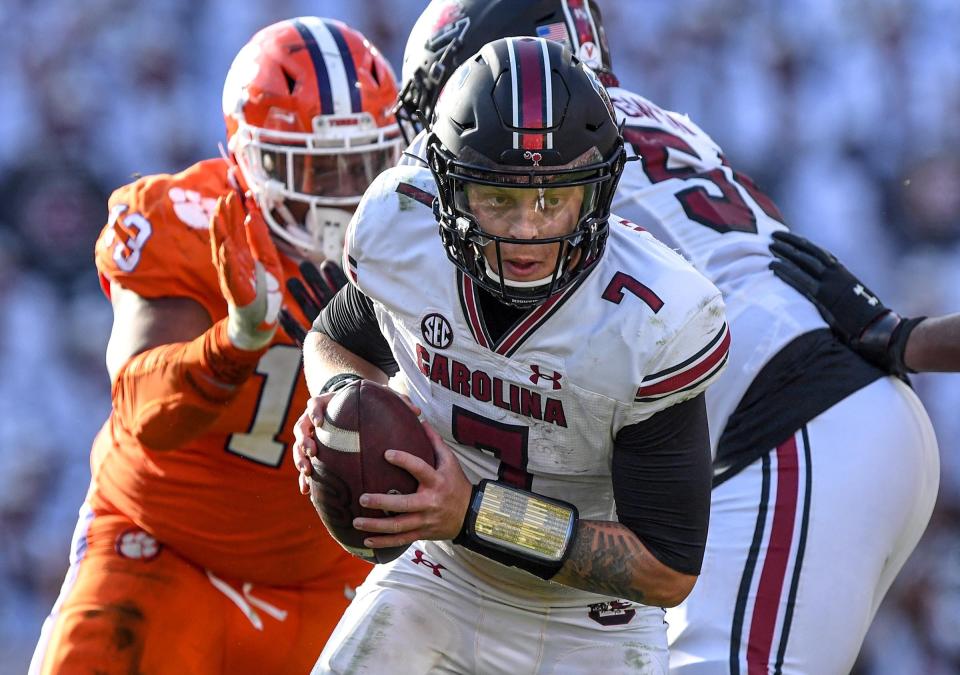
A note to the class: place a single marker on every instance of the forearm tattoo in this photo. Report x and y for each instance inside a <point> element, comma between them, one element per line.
<point>604,560</point>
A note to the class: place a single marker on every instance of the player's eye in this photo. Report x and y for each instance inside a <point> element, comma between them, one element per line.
<point>491,199</point>
<point>497,201</point>
<point>552,202</point>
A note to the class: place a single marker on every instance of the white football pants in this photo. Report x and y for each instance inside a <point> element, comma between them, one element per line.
<point>421,614</point>
<point>805,542</point>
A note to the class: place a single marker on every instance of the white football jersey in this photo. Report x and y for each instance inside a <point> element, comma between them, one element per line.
<point>538,408</point>
<point>685,194</point>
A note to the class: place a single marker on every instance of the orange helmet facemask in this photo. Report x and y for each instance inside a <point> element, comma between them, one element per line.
<point>307,103</point>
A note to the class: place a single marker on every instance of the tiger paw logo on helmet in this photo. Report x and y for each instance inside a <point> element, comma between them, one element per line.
<point>193,209</point>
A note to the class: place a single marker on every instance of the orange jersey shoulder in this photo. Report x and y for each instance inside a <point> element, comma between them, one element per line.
<point>156,241</point>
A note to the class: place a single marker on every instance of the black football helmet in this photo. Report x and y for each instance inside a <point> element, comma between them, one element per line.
<point>451,31</point>
<point>524,113</point>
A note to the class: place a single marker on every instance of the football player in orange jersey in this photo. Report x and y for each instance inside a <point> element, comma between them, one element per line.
<point>193,554</point>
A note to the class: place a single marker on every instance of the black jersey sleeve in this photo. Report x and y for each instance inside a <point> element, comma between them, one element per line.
<point>661,483</point>
<point>349,319</point>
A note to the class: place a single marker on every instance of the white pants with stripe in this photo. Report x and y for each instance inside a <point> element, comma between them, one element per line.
<point>805,542</point>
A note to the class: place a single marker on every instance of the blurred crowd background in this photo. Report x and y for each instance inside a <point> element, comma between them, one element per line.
<point>846,111</point>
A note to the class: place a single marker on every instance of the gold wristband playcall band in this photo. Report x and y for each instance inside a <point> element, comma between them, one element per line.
<point>532,526</point>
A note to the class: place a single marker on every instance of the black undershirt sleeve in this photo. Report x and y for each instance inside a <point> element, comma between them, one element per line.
<point>661,483</point>
<point>349,320</point>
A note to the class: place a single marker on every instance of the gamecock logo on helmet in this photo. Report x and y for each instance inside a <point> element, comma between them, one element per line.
<point>534,157</point>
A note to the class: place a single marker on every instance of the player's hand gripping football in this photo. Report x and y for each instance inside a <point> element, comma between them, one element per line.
<point>304,443</point>
<point>435,511</point>
<point>249,271</point>
<point>322,283</point>
<point>854,313</point>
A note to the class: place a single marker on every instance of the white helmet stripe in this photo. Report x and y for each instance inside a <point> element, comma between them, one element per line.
<point>532,92</point>
<point>574,23</point>
<point>333,61</point>
<point>514,92</point>
<point>593,26</point>
<point>548,92</point>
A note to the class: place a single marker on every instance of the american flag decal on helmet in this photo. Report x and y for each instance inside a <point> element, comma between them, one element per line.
<point>532,93</point>
<point>556,32</point>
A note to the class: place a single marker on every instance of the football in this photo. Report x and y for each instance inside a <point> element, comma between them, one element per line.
<point>361,421</point>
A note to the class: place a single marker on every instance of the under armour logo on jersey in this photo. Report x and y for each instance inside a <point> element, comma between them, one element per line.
<point>552,376</point>
<point>418,559</point>
<point>534,157</point>
<point>865,294</point>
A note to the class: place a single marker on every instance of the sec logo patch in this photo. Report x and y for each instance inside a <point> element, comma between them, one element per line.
<point>436,331</point>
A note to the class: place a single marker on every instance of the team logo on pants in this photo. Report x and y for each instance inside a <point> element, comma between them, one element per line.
<point>613,613</point>
<point>136,544</point>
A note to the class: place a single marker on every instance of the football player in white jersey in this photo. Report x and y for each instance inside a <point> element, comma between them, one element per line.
<point>826,470</point>
<point>559,363</point>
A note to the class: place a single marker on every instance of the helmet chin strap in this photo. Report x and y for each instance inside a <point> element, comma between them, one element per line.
<point>329,227</point>
<point>323,230</point>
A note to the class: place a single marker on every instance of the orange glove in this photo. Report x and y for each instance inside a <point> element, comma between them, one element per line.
<point>248,267</point>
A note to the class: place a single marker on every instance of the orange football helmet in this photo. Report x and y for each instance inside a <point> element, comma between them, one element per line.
<point>308,106</point>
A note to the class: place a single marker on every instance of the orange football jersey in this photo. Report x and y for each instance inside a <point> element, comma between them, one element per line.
<point>228,500</point>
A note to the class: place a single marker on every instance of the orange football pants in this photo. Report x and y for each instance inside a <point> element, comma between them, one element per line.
<point>131,605</point>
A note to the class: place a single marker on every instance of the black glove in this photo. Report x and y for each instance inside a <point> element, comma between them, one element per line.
<point>854,313</point>
<point>322,284</point>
